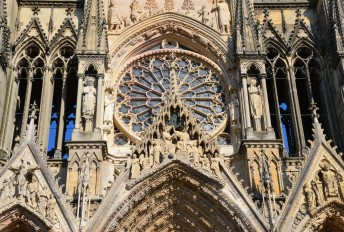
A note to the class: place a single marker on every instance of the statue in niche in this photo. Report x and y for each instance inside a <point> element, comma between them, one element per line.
<point>170,148</point>
<point>204,14</point>
<point>33,192</point>
<point>256,103</point>
<point>114,18</point>
<point>215,165</point>
<point>234,110</point>
<point>205,163</point>
<point>224,16</point>
<point>89,103</point>
<point>318,190</point>
<point>310,197</point>
<point>329,180</point>
<point>109,107</point>
<point>135,167</point>
<point>157,150</point>
<point>193,151</point>
<point>135,10</point>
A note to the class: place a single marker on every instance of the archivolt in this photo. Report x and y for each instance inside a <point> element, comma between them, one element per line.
<point>144,35</point>
<point>177,198</point>
<point>19,218</point>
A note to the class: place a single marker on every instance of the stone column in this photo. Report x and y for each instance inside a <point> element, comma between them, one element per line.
<point>78,101</point>
<point>100,78</point>
<point>45,108</point>
<point>247,104</point>
<point>58,151</point>
<point>26,105</point>
<point>266,100</point>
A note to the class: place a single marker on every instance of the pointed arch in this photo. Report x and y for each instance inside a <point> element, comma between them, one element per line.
<point>176,196</point>
<point>19,218</point>
<point>329,217</point>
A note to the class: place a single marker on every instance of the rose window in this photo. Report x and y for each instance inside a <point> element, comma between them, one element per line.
<point>143,86</point>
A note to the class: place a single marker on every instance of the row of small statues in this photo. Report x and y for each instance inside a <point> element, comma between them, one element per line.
<point>116,21</point>
<point>146,162</point>
<point>38,198</point>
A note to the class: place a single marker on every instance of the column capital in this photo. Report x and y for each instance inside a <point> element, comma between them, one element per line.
<point>100,75</point>
<point>243,75</point>
<point>262,75</point>
<point>81,75</point>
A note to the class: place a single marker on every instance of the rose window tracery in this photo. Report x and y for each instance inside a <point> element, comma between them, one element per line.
<point>143,86</point>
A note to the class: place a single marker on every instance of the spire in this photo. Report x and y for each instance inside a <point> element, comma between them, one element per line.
<point>92,37</point>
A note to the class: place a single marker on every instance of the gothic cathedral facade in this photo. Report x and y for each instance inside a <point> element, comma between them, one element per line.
<point>171,115</point>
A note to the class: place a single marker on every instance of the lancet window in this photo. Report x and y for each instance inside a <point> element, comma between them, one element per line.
<point>30,72</point>
<point>278,86</point>
<point>63,109</point>
<point>310,88</point>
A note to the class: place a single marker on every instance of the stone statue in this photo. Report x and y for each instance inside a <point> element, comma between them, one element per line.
<point>203,13</point>
<point>224,16</point>
<point>43,200</point>
<point>194,152</point>
<point>205,163</point>
<point>7,192</point>
<point>157,150</point>
<point>51,206</point>
<point>170,148</point>
<point>310,197</point>
<point>215,166</point>
<point>108,112</point>
<point>89,102</point>
<point>114,18</point>
<point>135,168</point>
<point>329,180</point>
<point>33,192</point>
<point>135,10</point>
<point>256,103</point>
<point>234,110</point>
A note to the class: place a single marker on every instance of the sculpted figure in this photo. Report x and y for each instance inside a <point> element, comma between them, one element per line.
<point>43,200</point>
<point>203,13</point>
<point>33,192</point>
<point>205,163</point>
<point>115,19</point>
<point>135,168</point>
<point>224,16</point>
<point>108,112</point>
<point>195,154</point>
<point>135,10</point>
<point>157,150</point>
<point>215,166</point>
<point>330,180</point>
<point>51,206</point>
<point>310,197</point>
<point>234,111</point>
<point>7,192</point>
<point>170,148</point>
<point>256,103</point>
<point>89,103</point>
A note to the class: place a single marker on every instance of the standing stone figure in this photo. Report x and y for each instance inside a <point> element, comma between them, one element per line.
<point>215,166</point>
<point>157,150</point>
<point>135,10</point>
<point>135,168</point>
<point>224,16</point>
<point>51,205</point>
<point>256,103</point>
<point>108,112</point>
<point>329,180</point>
<point>310,196</point>
<point>43,200</point>
<point>203,13</point>
<point>89,103</point>
<point>33,192</point>
<point>114,18</point>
